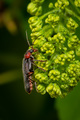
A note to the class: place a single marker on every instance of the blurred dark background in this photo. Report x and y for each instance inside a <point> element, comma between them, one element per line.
<point>15,104</point>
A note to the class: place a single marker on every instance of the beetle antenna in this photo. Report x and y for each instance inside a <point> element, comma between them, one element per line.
<point>27,38</point>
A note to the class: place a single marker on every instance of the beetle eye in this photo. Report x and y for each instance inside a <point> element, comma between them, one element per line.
<point>31,50</point>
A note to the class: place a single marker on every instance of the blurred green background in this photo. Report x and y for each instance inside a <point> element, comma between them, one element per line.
<point>15,104</point>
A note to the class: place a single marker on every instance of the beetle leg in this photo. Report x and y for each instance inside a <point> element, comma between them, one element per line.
<point>31,57</point>
<point>40,60</point>
<point>30,73</point>
<point>38,67</point>
<point>36,86</point>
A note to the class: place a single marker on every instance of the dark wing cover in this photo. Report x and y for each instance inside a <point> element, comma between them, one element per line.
<point>25,70</point>
<point>30,64</point>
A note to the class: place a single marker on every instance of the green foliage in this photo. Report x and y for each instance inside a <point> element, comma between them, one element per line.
<point>69,107</point>
<point>54,35</point>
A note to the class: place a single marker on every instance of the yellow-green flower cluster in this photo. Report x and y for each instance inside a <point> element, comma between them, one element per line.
<point>54,75</point>
<point>41,89</point>
<point>73,42</point>
<point>46,64</point>
<point>64,78</point>
<point>48,48</point>
<point>54,90</point>
<point>61,4</point>
<point>42,78</point>
<point>53,35</point>
<point>35,23</point>
<point>52,19</point>
<point>62,59</point>
<point>34,7</point>
<point>68,81</point>
<point>36,27</point>
<point>58,40</point>
<point>77,3</point>
<point>73,71</point>
<point>71,24</point>
<point>39,42</point>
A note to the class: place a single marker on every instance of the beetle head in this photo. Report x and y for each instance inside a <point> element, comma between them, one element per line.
<point>33,50</point>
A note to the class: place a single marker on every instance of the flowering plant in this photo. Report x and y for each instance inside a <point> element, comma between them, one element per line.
<point>54,35</point>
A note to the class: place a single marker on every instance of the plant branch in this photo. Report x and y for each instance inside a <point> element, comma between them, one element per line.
<point>52,11</point>
<point>78,11</point>
<point>72,13</point>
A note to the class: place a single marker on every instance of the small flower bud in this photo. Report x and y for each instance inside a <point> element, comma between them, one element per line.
<point>51,5</point>
<point>54,90</point>
<point>77,3</point>
<point>41,89</point>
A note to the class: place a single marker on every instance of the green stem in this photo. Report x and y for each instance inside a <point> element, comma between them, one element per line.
<point>52,11</point>
<point>78,11</point>
<point>72,13</point>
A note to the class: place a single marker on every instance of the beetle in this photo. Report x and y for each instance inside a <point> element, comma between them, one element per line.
<point>27,68</point>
